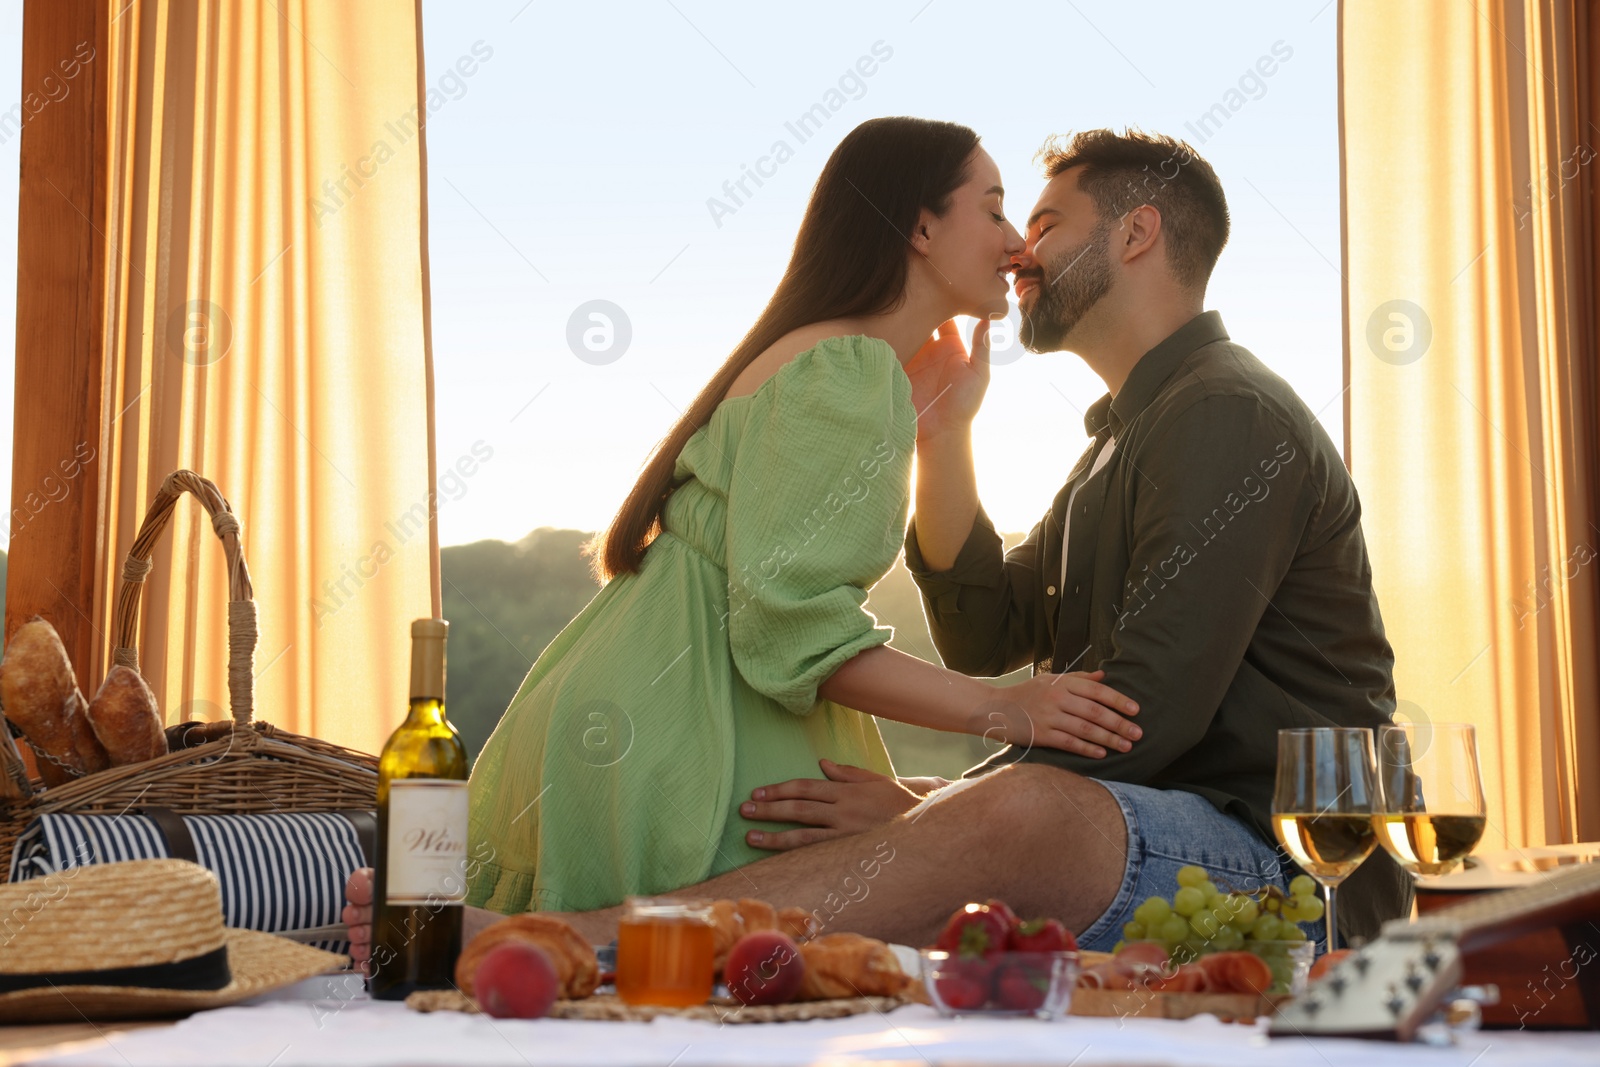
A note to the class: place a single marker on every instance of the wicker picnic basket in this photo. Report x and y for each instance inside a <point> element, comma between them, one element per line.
<point>235,766</point>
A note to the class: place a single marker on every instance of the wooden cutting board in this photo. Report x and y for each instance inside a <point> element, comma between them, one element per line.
<point>1143,1004</point>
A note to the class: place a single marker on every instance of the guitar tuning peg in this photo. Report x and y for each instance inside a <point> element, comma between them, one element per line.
<point>1461,1014</point>
<point>1395,1001</point>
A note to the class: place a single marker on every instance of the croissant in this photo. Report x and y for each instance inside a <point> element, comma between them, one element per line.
<point>732,919</point>
<point>574,959</point>
<point>797,923</point>
<point>850,965</point>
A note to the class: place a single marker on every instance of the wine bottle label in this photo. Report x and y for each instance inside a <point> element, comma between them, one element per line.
<point>427,845</point>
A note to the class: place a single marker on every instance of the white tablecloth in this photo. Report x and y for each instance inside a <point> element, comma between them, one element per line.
<point>330,1022</point>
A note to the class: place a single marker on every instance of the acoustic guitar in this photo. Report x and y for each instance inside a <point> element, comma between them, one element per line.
<point>1538,942</point>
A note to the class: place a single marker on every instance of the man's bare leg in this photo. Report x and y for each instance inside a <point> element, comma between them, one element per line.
<point>1046,841</point>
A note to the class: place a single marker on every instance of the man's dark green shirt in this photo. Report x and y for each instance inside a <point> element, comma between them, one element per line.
<point>1215,571</point>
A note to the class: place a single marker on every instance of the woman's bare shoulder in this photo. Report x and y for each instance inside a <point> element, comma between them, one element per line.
<point>781,351</point>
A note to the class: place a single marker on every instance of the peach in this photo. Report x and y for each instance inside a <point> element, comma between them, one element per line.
<point>764,968</point>
<point>516,980</point>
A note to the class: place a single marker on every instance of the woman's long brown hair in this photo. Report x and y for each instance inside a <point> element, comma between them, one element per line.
<point>850,258</point>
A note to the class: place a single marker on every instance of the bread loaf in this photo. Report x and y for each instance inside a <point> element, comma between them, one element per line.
<point>40,695</point>
<point>125,719</point>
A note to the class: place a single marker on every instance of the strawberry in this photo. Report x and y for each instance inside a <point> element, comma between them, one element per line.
<point>977,931</point>
<point>1004,909</point>
<point>1022,986</point>
<point>962,985</point>
<point>1042,935</point>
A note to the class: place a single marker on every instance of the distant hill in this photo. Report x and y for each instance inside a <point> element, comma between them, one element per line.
<point>506,602</point>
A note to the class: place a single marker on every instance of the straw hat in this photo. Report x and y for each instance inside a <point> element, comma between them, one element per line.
<point>124,940</point>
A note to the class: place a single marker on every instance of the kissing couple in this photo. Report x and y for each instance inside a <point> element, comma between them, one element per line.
<point>1199,582</point>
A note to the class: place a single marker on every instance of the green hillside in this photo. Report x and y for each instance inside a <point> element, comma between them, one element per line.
<point>506,602</point>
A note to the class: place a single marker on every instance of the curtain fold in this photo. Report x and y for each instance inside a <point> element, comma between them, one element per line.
<point>1469,150</point>
<point>265,324</point>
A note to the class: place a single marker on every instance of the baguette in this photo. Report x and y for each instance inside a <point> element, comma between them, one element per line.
<point>125,720</point>
<point>41,696</point>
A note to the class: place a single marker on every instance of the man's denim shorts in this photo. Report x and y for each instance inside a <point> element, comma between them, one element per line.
<point>1170,828</point>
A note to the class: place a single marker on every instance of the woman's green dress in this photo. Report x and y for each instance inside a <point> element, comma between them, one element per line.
<point>619,764</point>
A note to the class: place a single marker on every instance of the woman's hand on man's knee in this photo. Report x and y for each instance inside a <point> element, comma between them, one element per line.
<point>849,801</point>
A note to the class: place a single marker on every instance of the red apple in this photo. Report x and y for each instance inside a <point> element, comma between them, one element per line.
<point>516,980</point>
<point>764,968</point>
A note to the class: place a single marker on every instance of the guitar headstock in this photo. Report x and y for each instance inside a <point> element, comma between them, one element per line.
<point>1387,989</point>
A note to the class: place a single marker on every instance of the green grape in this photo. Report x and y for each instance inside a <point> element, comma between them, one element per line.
<point>1152,912</point>
<point>1291,932</point>
<point>1133,931</point>
<point>1291,910</point>
<point>1192,876</point>
<point>1117,947</point>
<point>1188,900</point>
<point>1228,939</point>
<point>1303,885</point>
<point>1174,928</point>
<point>1204,924</point>
<point>1266,929</point>
<point>1246,911</point>
<point>1311,909</point>
<point>1272,903</point>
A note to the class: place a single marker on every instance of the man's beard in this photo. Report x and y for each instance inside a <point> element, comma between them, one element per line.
<point>1068,287</point>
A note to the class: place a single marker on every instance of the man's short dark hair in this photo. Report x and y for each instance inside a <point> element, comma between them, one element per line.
<point>1120,171</point>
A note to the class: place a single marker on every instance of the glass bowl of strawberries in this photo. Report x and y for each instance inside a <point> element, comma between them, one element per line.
<point>989,962</point>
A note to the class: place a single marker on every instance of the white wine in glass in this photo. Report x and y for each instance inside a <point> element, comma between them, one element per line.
<point>1323,806</point>
<point>1433,810</point>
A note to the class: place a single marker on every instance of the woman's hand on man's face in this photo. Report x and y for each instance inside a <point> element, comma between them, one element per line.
<point>850,800</point>
<point>947,384</point>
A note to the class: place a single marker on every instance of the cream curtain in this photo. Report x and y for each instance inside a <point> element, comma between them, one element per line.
<point>1469,152</point>
<point>266,317</point>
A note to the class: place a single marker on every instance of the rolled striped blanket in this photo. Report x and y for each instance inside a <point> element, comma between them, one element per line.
<point>279,873</point>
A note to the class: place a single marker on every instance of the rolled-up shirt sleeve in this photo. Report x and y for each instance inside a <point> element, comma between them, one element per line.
<point>983,612</point>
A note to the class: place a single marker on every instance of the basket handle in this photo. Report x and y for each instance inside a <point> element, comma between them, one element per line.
<point>241,606</point>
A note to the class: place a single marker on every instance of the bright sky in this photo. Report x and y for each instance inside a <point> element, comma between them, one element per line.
<point>576,162</point>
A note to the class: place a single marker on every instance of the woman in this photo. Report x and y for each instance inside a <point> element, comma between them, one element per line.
<point>728,647</point>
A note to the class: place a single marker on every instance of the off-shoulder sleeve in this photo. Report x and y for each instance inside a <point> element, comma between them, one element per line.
<point>816,513</point>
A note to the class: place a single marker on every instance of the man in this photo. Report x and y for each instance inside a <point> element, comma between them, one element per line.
<point>1205,554</point>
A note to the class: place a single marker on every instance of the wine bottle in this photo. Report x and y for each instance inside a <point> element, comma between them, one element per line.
<point>420,886</point>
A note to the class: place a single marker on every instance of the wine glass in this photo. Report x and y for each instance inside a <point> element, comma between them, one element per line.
<point>1322,808</point>
<point>1433,811</point>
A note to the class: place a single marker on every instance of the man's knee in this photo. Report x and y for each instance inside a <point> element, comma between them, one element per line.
<point>1026,800</point>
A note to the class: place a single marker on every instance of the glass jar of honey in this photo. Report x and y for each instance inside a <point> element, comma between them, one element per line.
<point>665,952</point>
